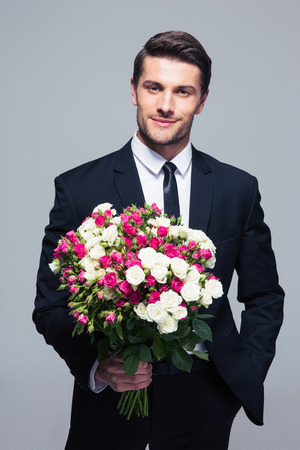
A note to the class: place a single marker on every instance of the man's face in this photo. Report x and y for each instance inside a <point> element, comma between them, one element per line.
<point>167,97</point>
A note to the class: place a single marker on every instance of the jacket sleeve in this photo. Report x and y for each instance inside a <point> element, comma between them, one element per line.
<point>258,289</point>
<point>51,313</point>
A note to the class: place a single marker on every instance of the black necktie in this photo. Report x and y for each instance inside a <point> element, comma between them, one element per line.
<point>171,202</point>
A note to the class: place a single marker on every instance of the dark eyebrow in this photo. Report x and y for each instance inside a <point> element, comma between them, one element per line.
<point>148,83</point>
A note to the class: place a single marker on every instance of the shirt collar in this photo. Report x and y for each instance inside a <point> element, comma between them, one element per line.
<point>154,162</point>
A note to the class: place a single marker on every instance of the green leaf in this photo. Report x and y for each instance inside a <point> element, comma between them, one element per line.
<point>202,329</point>
<point>135,339</point>
<point>119,330</point>
<point>131,364</point>
<point>181,359</point>
<point>159,348</point>
<point>131,350</point>
<point>201,355</point>
<point>144,353</point>
<point>103,349</point>
<point>204,316</point>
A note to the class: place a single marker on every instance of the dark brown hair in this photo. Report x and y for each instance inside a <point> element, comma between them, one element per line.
<point>175,45</point>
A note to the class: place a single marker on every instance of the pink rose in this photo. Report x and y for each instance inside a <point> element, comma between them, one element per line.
<point>81,278</point>
<point>136,218</point>
<point>150,280</point>
<point>177,284</point>
<point>72,288</point>
<point>162,231</point>
<point>125,287</point>
<point>171,251</point>
<point>129,229</point>
<point>198,267</point>
<point>154,243</point>
<point>134,297</point>
<point>164,288</point>
<point>71,235</point>
<point>110,279</point>
<point>128,242</point>
<point>154,297</point>
<point>82,319</point>
<point>67,270</point>
<point>100,220</point>
<point>110,317</point>
<point>76,314</point>
<point>71,279</point>
<point>192,244</point>
<point>100,297</point>
<point>133,262</point>
<point>80,250</point>
<point>120,303</point>
<point>124,218</point>
<point>142,241</point>
<point>205,253</point>
<point>107,213</point>
<point>155,208</point>
<point>105,261</point>
<point>116,258</point>
<point>213,278</point>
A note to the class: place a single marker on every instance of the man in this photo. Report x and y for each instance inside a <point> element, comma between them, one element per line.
<point>187,411</point>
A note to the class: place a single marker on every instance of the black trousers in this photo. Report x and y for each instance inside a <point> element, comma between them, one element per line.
<point>186,412</point>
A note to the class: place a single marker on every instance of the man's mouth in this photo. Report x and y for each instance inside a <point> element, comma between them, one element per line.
<point>159,121</point>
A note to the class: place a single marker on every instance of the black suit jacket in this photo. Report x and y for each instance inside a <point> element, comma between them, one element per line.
<point>225,204</point>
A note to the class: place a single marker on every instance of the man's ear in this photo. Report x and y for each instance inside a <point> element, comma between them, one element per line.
<point>133,91</point>
<point>202,102</point>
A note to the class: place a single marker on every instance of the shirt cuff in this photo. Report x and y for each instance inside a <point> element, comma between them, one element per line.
<point>95,385</point>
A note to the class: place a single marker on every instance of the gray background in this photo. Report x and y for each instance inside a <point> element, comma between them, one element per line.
<point>65,99</point>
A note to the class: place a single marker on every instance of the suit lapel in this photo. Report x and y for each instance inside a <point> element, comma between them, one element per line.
<point>126,178</point>
<point>201,192</point>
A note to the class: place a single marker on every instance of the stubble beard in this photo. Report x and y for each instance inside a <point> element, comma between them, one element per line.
<point>157,138</point>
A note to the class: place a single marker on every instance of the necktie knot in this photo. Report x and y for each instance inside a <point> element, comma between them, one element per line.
<point>169,167</point>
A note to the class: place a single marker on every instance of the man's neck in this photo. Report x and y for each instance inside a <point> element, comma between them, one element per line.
<point>167,151</point>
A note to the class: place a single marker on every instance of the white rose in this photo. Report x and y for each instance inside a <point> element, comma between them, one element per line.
<point>210,263</point>
<point>174,231</point>
<point>89,264</point>
<point>87,235</point>
<point>96,252</point>
<point>90,274</point>
<point>214,288</point>
<point>170,300</point>
<point>95,240</point>
<point>207,243</point>
<point>190,292</point>
<point>116,220</point>
<point>160,221</point>
<point>156,312</point>
<point>135,275</point>
<point>180,313</point>
<point>206,298</point>
<point>108,293</point>
<point>55,266</point>
<point>162,260</point>
<point>103,207</point>
<point>168,325</point>
<point>179,267</point>
<point>88,225</point>
<point>147,257</point>
<point>196,235</point>
<point>159,273</point>
<point>141,310</point>
<point>110,234</point>
<point>193,276</point>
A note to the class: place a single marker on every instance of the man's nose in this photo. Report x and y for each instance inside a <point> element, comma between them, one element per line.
<point>166,103</point>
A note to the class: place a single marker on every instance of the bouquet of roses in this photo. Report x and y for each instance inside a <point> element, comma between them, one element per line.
<point>136,282</point>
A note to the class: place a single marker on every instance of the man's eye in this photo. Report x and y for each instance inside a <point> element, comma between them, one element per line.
<point>153,88</point>
<point>183,92</point>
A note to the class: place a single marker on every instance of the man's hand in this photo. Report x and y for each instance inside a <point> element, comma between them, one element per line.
<point>111,372</point>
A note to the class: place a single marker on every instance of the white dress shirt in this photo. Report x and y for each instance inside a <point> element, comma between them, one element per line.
<point>149,166</point>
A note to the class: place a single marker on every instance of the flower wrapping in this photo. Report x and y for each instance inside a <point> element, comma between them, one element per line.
<point>137,282</point>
